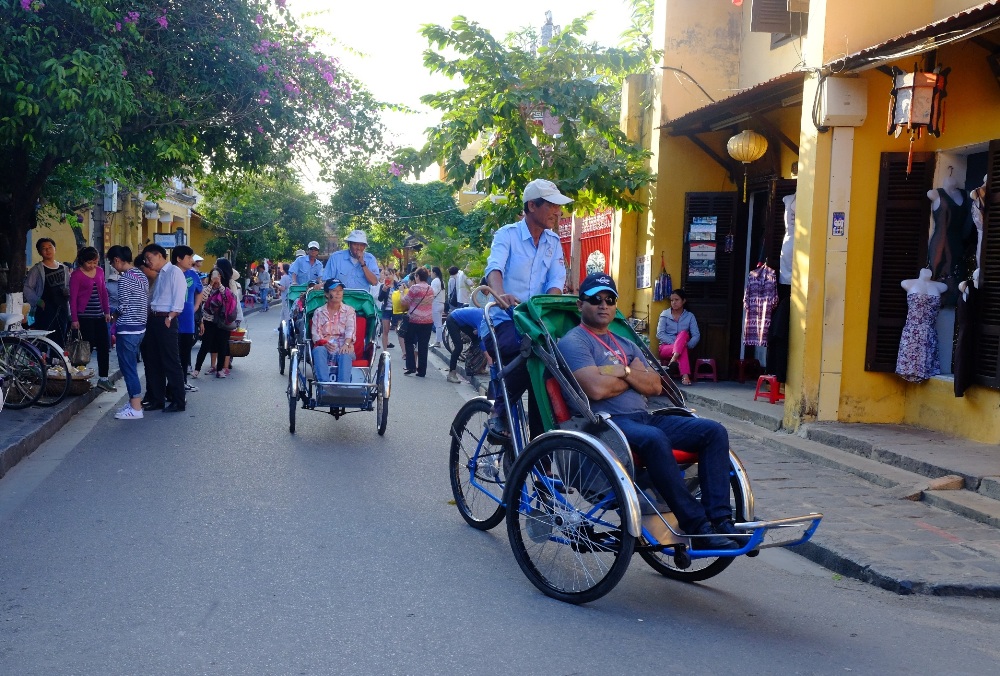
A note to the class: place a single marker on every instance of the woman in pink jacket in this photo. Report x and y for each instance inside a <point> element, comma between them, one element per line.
<point>89,310</point>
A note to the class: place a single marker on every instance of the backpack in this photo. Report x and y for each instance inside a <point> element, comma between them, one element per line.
<point>452,293</point>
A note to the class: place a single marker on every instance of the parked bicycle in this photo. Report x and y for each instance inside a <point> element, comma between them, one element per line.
<point>23,373</point>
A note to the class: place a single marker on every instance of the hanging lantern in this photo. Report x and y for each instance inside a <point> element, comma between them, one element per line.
<point>915,104</point>
<point>746,147</point>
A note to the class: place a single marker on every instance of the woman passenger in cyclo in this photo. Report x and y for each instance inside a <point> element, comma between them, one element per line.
<point>616,377</point>
<point>678,332</point>
<point>46,289</point>
<point>333,327</point>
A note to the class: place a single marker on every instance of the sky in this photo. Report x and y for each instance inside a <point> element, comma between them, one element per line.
<point>386,32</point>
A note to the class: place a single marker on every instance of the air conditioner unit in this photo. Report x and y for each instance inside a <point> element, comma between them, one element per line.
<point>110,196</point>
<point>843,102</point>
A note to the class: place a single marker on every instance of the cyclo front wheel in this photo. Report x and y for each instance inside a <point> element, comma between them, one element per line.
<point>699,569</point>
<point>477,466</point>
<point>566,520</point>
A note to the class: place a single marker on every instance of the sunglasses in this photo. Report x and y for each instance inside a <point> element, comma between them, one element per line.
<point>594,300</point>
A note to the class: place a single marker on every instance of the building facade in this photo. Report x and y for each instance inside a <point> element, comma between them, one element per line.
<point>851,210</point>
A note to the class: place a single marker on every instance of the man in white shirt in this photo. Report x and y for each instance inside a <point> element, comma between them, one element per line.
<point>164,374</point>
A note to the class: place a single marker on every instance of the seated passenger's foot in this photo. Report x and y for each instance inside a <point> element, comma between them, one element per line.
<point>711,540</point>
<point>497,430</point>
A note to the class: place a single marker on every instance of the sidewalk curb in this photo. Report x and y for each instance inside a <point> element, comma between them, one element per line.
<point>18,449</point>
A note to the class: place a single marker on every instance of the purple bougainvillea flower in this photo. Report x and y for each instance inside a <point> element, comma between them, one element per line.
<point>259,20</point>
<point>26,5</point>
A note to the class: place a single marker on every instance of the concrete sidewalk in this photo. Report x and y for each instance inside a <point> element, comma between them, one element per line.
<point>883,523</point>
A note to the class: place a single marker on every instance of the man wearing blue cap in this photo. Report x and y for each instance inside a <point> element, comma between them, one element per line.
<point>333,327</point>
<point>616,378</point>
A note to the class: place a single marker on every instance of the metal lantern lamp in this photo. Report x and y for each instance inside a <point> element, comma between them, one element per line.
<point>746,147</point>
<point>916,103</point>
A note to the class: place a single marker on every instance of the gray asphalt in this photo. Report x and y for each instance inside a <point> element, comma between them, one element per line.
<point>213,542</point>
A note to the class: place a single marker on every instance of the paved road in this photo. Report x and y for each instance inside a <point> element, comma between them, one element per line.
<point>213,542</point>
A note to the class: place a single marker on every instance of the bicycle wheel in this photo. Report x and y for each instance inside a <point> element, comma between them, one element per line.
<point>477,466</point>
<point>58,372</point>
<point>381,401</point>
<point>24,372</point>
<point>699,569</point>
<point>566,525</point>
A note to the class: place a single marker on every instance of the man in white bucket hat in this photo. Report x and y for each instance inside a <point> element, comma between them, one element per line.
<point>353,266</point>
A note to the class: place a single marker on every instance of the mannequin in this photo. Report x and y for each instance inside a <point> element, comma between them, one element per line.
<point>978,211</point>
<point>918,357</point>
<point>950,227</point>
<point>965,341</point>
<point>787,244</point>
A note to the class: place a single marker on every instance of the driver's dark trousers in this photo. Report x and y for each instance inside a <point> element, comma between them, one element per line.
<point>517,381</point>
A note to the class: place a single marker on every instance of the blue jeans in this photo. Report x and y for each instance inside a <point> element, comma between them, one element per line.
<point>321,362</point>
<point>653,437</point>
<point>264,293</point>
<point>127,349</point>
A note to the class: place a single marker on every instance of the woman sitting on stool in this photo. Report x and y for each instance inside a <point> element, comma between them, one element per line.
<point>333,334</point>
<point>677,331</point>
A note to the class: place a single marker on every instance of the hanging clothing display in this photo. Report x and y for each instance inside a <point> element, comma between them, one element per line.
<point>965,343</point>
<point>947,245</point>
<point>758,303</point>
<point>918,357</point>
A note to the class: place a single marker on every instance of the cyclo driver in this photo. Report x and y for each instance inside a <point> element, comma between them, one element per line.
<point>616,378</point>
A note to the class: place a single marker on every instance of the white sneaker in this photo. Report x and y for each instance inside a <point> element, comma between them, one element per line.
<point>128,413</point>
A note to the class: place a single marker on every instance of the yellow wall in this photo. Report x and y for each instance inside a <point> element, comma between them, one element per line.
<point>972,102</point>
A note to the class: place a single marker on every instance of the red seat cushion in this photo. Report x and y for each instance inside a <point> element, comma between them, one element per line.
<point>360,332</point>
<point>360,362</point>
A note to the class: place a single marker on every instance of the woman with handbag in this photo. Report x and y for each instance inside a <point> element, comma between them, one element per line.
<point>90,311</point>
<point>46,290</point>
<point>419,301</point>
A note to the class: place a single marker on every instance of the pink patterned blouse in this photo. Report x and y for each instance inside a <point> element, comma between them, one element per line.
<point>337,328</point>
<point>420,301</point>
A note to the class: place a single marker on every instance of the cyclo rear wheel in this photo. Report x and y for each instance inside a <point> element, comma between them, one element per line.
<point>477,467</point>
<point>699,569</point>
<point>566,520</point>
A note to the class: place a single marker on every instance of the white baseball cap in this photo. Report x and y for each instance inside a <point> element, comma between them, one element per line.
<point>197,259</point>
<point>547,190</point>
<point>357,236</point>
<point>299,252</point>
<point>313,245</point>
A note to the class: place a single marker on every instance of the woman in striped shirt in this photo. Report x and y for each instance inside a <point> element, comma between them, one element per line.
<point>130,326</point>
<point>89,310</point>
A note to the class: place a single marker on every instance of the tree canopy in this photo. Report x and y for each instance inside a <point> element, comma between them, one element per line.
<point>144,90</point>
<point>259,216</point>
<point>536,112</point>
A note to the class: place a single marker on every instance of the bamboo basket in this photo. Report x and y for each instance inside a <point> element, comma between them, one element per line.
<point>239,348</point>
<point>80,383</point>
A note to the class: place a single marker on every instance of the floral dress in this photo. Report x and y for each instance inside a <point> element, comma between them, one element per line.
<point>918,357</point>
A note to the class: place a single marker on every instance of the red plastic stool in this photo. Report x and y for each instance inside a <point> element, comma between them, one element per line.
<point>772,392</point>
<point>704,369</point>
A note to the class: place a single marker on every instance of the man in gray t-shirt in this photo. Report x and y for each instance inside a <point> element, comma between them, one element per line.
<point>617,379</point>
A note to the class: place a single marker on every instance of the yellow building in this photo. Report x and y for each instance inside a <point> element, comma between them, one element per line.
<point>134,222</point>
<point>816,82</point>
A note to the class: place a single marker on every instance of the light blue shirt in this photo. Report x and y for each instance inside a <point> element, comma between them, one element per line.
<point>527,270</point>
<point>170,290</point>
<point>341,265</point>
<point>302,271</point>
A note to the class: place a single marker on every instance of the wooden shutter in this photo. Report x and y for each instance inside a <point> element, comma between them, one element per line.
<point>711,302</point>
<point>902,222</point>
<point>987,369</point>
<point>772,16</point>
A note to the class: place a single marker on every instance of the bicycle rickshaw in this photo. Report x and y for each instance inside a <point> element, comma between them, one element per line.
<point>577,502</point>
<point>370,373</point>
<point>287,337</point>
